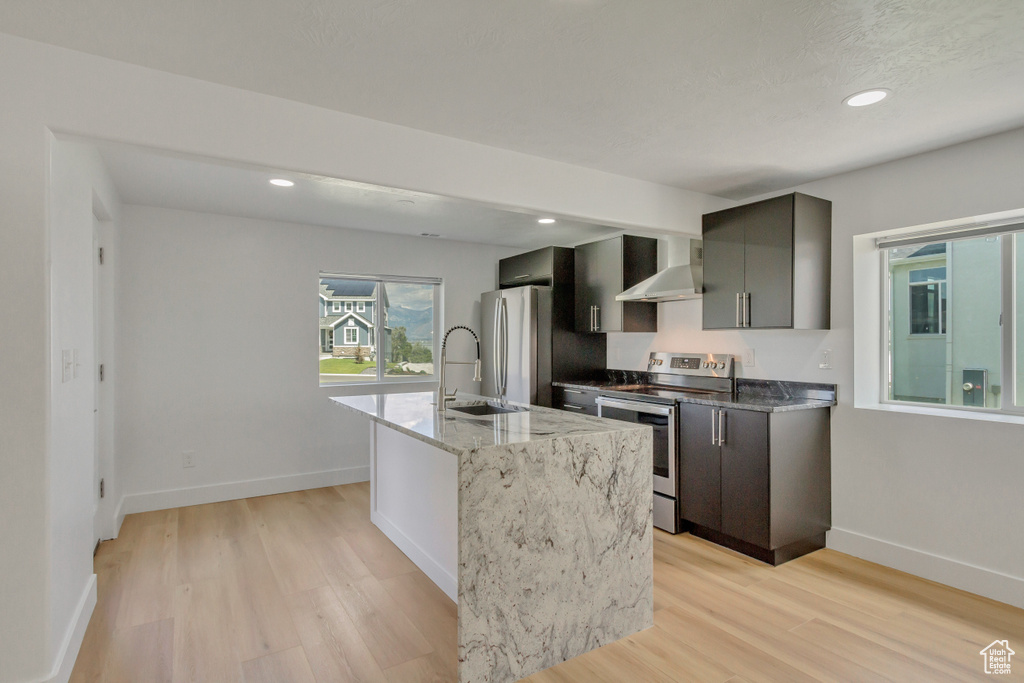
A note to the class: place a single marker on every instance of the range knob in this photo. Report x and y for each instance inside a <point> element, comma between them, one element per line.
<point>707,364</point>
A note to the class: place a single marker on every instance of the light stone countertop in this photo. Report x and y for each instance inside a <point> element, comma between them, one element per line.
<point>416,414</point>
<point>741,401</point>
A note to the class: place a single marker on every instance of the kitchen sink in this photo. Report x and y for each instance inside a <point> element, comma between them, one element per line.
<point>488,409</point>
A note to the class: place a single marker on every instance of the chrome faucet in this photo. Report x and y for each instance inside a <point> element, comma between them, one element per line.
<point>442,396</point>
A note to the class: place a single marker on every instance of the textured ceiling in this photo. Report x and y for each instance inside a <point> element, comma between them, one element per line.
<point>733,98</point>
<point>172,181</point>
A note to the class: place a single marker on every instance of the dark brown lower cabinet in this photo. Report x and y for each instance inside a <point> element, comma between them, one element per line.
<point>756,482</point>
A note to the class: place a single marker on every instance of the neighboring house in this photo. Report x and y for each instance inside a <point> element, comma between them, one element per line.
<point>347,319</point>
<point>944,325</point>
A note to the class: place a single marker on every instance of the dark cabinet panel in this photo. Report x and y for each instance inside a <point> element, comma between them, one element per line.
<point>745,502</point>
<point>756,482</point>
<point>700,471</point>
<point>547,266</point>
<point>575,400</point>
<point>723,268</point>
<point>767,264</point>
<point>603,270</point>
<point>598,280</point>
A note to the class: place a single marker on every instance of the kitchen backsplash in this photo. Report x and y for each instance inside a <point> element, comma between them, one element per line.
<point>627,377</point>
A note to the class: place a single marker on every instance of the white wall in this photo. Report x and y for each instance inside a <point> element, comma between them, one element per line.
<point>932,495</point>
<point>79,188</point>
<point>48,89</point>
<point>217,349</point>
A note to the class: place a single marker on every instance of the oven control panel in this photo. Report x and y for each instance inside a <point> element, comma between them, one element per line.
<point>707,364</point>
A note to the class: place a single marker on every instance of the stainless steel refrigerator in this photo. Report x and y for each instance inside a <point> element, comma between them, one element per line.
<point>515,348</point>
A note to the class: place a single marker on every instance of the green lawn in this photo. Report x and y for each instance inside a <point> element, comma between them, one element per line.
<point>344,366</point>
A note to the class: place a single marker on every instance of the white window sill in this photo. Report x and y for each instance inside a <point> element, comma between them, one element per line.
<point>391,387</point>
<point>956,413</point>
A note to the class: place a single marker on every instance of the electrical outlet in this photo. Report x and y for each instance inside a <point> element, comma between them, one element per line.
<point>826,360</point>
<point>188,459</point>
<point>748,358</point>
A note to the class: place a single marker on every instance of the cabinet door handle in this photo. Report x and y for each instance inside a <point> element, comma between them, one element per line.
<point>572,391</point>
<point>597,318</point>
<point>746,309</point>
<point>721,427</point>
<point>739,315</point>
<point>521,277</point>
<point>714,441</point>
<point>569,406</point>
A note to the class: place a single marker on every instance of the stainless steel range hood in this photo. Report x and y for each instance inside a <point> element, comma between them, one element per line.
<point>677,282</point>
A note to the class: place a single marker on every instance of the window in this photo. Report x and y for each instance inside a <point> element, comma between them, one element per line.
<point>928,301</point>
<point>954,318</point>
<point>395,340</point>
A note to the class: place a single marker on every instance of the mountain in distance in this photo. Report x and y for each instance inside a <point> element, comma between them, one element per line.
<point>418,323</point>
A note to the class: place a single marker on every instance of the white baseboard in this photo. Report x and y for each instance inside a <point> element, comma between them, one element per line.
<point>216,493</point>
<point>445,581</point>
<point>118,517</point>
<point>991,584</point>
<point>62,667</point>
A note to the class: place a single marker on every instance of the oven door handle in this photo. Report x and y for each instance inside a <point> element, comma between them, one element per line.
<point>636,406</point>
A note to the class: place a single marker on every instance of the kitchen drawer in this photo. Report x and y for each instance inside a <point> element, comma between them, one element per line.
<point>585,410</point>
<point>575,400</point>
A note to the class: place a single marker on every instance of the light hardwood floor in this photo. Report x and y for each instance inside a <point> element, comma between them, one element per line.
<point>302,587</point>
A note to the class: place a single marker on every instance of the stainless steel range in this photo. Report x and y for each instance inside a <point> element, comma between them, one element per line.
<point>671,376</point>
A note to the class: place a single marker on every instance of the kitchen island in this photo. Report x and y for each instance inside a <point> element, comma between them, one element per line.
<point>537,522</point>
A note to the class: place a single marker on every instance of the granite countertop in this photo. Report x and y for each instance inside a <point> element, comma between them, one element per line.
<point>766,396</point>
<point>416,414</point>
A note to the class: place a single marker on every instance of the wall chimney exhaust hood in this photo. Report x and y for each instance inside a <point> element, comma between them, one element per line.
<point>677,282</point>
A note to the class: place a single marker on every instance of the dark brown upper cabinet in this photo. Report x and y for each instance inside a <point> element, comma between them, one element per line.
<point>768,265</point>
<point>605,269</point>
<point>547,266</point>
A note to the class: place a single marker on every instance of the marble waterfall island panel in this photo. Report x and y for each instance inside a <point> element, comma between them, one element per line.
<point>555,551</point>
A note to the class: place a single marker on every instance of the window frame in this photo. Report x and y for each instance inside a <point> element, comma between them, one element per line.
<point>351,328</point>
<point>1008,324</point>
<point>942,306</point>
<point>383,382</point>
<point>336,307</point>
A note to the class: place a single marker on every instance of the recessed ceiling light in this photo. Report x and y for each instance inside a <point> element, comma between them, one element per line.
<point>862,99</point>
<point>545,220</point>
<point>429,234</point>
<point>281,182</point>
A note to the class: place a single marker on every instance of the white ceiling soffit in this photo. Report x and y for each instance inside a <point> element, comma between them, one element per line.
<point>731,98</point>
<point>154,178</point>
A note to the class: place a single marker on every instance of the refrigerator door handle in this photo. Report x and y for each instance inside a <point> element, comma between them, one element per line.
<point>496,344</point>
<point>504,347</point>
